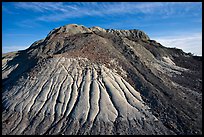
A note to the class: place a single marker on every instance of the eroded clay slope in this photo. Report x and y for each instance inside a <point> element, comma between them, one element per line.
<point>80,95</point>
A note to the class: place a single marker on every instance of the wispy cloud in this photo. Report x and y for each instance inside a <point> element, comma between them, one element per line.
<point>187,42</point>
<point>6,49</point>
<point>155,18</point>
<point>58,11</point>
<point>43,6</point>
<point>17,34</point>
<point>27,23</point>
<point>8,11</point>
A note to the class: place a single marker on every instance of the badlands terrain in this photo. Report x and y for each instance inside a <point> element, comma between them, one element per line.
<point>81,80</point>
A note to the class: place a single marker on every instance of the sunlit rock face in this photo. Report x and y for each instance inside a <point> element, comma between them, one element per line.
<point>81,80</point>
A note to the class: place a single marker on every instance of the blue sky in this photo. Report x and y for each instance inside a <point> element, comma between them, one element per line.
<point>173,24</point>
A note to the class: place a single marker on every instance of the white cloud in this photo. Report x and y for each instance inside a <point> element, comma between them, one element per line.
<point>17,34</point>
<point>57,11</point>
<point>27,23</point>
<point>6,10</point>
<point>43,6</point>
<point>6,49</point>
<point>187,42</point>
<point>102,9</point>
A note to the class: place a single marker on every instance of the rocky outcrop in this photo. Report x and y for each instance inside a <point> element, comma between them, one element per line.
<point>82,80</point>
<point>75,29</point>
